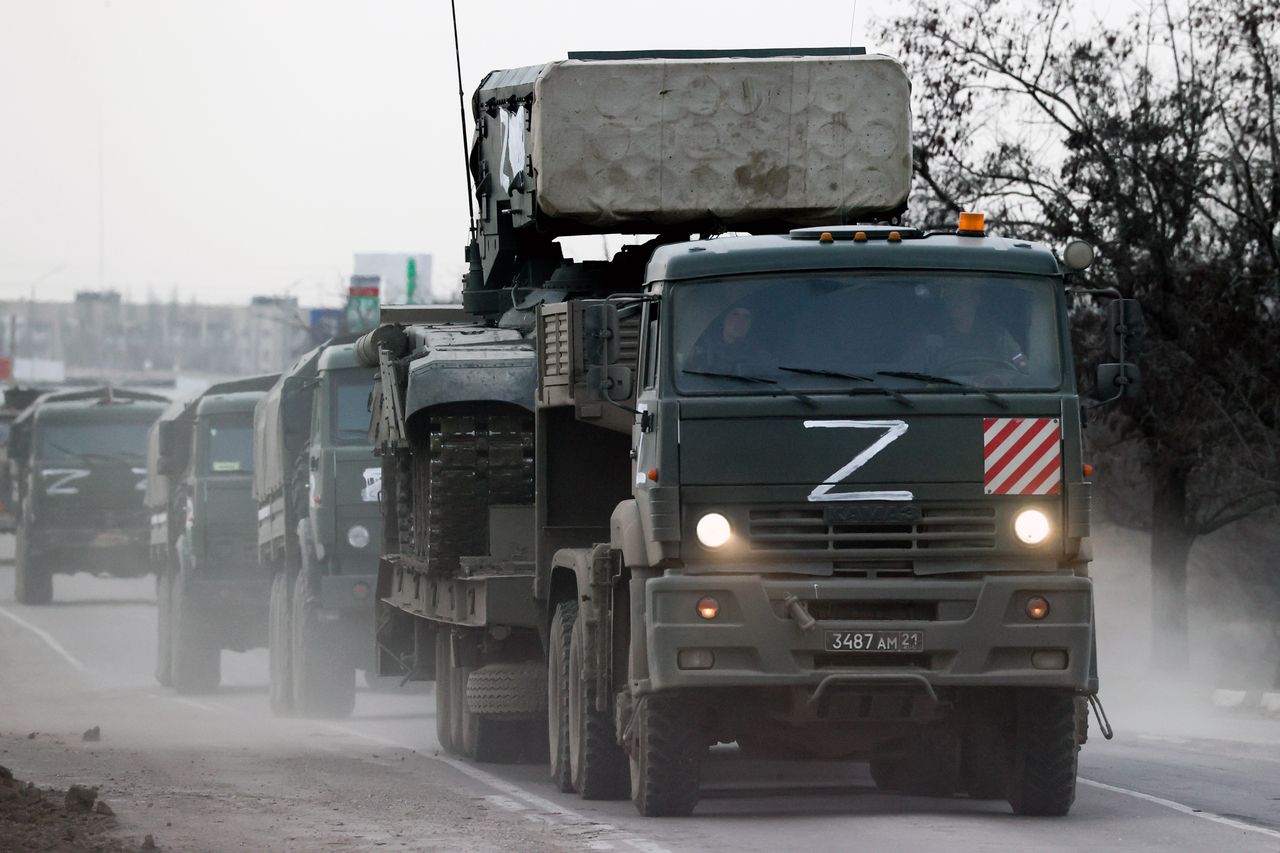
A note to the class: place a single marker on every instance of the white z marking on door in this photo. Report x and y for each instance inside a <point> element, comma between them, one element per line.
<point>892,431</point>
<point>62,478</point>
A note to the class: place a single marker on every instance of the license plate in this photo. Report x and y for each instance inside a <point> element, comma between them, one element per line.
<point>875,641</point>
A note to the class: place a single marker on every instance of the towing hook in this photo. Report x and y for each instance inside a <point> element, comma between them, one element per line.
<point>799,613</point>
<point>1100,715</point>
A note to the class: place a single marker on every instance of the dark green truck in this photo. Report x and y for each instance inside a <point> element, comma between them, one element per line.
<point>817,490</point>
<point>209,588</point>
<point>316,488</point>
<point>78,467</point>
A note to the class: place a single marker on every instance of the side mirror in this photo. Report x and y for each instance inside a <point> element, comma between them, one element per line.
<point>1122,381</point>
<point>1125,329</point>
<point>600,344</point>
<point>172,438</point>
<point>167,438</point>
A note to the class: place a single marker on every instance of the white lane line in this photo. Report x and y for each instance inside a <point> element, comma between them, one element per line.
<point>46,637</point>
<point>1184,809</point>
<point>511,790</point>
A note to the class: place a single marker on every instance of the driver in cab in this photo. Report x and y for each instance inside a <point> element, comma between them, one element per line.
<point>728,347</point>
<point>969,338</point>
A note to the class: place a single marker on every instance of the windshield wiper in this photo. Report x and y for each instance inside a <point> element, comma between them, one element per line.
<point>746,377</point>
<point>943,380</point>
<point>854,377</point>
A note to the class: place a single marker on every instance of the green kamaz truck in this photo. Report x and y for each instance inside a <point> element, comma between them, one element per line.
<point>816,488</point>
<point>210,591</point>
<point>78,468</point>
<point>316,487</point>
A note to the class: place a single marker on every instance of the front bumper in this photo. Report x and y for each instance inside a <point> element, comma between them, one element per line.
<point>976,631</point>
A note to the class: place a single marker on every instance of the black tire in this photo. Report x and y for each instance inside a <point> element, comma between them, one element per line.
<point>558,694</point>
<point>597,763</point>
<point>280,645</point>
<point>1043,782</point>
<point>32,580</point>
<point>164,636</point>
<point>197,658</point>
<point>444,692</point>
<point>324,677</point>
<point>666,765</point>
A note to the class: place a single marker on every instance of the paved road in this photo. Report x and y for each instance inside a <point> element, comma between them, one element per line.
<point>219,773</point>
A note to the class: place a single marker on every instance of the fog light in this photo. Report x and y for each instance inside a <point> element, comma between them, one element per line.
<point>1037,607</point>
<point>713,530</point>
<point>695,659</point>
<point>360,590</point>
<point>1031,526</point>
<point>1049,659</point>
<point>708,607</point>
<point>358,536</point>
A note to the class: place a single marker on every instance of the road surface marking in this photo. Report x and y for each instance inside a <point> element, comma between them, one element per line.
<point>47,638</point>
<point>515,791</point>
<point>1184,809</point>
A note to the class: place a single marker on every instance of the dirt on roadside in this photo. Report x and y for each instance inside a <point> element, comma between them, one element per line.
<point>34,818</point>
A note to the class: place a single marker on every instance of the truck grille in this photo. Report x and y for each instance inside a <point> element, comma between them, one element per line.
<point>808,532</point>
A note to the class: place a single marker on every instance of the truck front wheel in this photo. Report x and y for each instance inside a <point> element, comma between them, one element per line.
<point>558,694</point>
<point>164,636</point>
<point>324,678</point>
<point>280,645</point>
<point>197,659</point>
<point>1043,781</point>
<point>32,580</point>
<point>599,766</point>
<point>666,758</point>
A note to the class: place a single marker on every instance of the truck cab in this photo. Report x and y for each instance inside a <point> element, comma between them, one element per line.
<point>317,487</point>
<point>79,464</point>
<point>210,592</point>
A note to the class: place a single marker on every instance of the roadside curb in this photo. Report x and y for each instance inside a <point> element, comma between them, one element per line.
<point>1264,702</point>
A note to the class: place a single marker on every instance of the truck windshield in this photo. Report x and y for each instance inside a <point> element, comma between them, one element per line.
<point>67,443</point>
<point>841,332</point>
<point>351,406</point>
<point>228,442</point>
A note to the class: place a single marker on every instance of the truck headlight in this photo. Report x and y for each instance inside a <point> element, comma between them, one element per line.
<point>1031,526</point>
<point>358,536</point>
<point>713,530</point>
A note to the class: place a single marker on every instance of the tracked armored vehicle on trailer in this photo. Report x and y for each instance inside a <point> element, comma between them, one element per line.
<point>210,591</point>
<point>816,490</point>
<point>78,464</point>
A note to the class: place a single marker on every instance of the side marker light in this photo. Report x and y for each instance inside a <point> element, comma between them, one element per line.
<point>1037,607</point>
<point>708,607</point>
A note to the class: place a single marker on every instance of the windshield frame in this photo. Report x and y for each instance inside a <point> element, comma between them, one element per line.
<point>43,435</point>
<point>788,383</point>
<point>336,380</point>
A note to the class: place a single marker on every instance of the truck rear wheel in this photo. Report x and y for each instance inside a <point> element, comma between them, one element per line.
<point>558,694</point>
<point>280,645</point>
<point>197,659</point>
<point>164,636</point>
<point>1043,782</point>
<point>666,758</point>
<point>444,692</point>
<point>32,580</point>
<point>324,678</point>
<point>597,762</point>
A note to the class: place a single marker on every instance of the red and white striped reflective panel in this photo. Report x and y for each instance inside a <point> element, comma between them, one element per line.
<point>1021,456</point>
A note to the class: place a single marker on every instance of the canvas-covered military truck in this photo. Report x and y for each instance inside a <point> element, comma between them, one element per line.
<point>316,485</point>
<point>16,399</point>
<point>817,489</point>
<point>210,590</point>
<point>78,463</point>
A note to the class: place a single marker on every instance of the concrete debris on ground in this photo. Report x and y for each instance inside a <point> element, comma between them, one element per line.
<point>92,735</point>
<point>75,821</point>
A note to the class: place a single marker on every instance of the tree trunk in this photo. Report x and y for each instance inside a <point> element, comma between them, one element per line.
<point>1171,542</point>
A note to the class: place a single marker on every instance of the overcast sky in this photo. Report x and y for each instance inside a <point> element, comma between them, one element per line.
<point>252,146</point>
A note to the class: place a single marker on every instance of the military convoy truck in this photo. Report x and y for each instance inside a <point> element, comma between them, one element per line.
<point>78,468</point>
<point>316,485</point>
<point>16,399</point>
<point>817,489</point>
<point>210,591</point>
